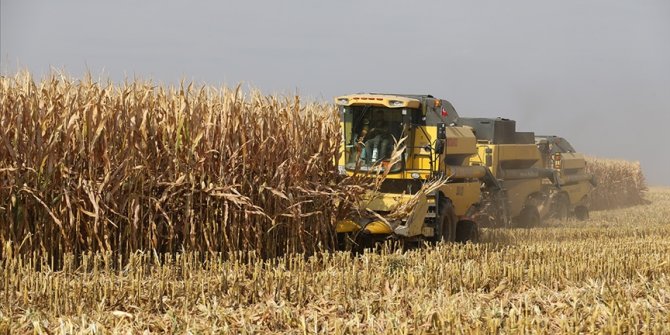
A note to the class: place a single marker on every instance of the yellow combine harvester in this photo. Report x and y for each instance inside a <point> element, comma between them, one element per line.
<point>434,148</point>
<point>496,176</point>
<point>533,177</point>
<point>514,196</point>
<point>571,184</point>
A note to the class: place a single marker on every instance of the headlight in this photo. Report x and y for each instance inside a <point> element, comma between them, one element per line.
<point>343,101</point>
<point>396,103</point>
<point>415,175</point>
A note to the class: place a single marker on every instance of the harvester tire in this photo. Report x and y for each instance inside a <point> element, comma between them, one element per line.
<point>361,241</point>
<point>561,208</point>
<point>447,217</point>
<point>582,213</point>
<point>529,217</point>
<point>466,231</point>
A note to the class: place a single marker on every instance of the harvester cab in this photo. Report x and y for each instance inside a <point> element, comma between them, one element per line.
<point>433,149</point>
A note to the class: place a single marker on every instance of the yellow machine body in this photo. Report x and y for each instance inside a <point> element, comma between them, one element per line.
<point>573,178</point>
<point>572,182</point>
<point>494,172</point>
<point>418,119</point>
<point>518,167</point>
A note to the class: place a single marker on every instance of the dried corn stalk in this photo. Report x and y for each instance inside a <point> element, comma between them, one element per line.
<point>86,167</point>
<point>619,183</point>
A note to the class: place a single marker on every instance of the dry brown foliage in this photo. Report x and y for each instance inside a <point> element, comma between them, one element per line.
<point>620,183</point>
<point>91,167</point>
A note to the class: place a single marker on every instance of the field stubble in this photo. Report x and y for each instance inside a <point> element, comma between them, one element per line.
<point>608,274</point>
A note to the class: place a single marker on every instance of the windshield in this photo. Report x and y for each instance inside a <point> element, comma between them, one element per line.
<point>563,145</point>
<point>369,135</point>
<point>556,144</point>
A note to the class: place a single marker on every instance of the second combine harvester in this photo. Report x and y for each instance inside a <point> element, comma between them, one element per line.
<point>496,176</point>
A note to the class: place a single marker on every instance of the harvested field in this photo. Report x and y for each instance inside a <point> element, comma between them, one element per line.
<point>607,275</point>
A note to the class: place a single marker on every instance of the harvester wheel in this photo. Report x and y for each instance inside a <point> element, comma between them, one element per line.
<point>582,213</point>
<point>529,217</point>
<point>356,242</point>
<point>447,217</point>
<point>466,231</point>
<point>561,208</point>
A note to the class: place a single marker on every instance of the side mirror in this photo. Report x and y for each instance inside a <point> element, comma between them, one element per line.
<point>441,131</point>
<point>439,146</point>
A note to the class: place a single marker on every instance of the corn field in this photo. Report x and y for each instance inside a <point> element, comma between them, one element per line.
<point>88,167</point>
<point>140,208</point>
<point>609,275</point>
<point>619,183</point>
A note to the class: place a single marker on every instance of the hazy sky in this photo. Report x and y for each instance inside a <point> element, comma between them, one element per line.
<point>594,71</point>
